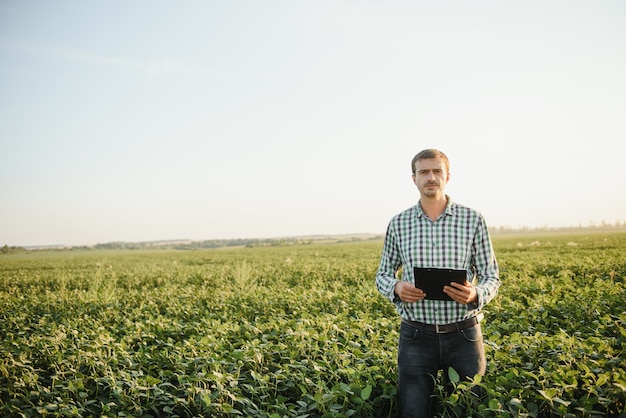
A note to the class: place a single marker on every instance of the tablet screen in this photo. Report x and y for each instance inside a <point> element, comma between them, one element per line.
<point>432,280</point>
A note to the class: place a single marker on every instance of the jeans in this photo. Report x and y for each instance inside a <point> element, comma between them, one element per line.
<point>422,353</point>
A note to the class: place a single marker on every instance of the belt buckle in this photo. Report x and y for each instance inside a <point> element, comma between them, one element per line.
<point>437,328</point>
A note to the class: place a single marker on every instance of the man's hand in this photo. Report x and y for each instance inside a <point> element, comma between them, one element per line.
<point>408,293</point>
<point>462,294</point>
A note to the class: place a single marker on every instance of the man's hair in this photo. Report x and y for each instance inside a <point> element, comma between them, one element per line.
<point>429,154</point>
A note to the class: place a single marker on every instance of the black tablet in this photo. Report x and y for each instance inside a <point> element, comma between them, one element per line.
<point>432,280</point>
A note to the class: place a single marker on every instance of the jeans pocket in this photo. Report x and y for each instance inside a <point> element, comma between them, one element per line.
<point>472,334</point>
<point>407,332</point>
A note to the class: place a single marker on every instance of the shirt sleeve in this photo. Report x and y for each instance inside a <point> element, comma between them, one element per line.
<point>390,262</point>
<point>486,265</point>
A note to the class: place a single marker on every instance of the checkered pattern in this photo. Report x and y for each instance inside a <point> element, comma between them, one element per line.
<point>458,239</point>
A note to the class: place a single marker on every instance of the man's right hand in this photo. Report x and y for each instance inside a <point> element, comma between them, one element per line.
<point>408,293</point>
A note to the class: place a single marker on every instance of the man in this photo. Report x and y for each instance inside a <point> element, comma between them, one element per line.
<point>436,334</point>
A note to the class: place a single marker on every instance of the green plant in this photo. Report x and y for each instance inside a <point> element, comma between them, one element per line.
<point>298,331</point>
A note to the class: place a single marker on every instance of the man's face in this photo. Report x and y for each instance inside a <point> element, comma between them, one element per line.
<point>431,177</point>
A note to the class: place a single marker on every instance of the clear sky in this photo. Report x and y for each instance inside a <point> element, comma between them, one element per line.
<point>147,120</point>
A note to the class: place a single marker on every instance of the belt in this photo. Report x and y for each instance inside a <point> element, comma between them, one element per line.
<point>447,328</point>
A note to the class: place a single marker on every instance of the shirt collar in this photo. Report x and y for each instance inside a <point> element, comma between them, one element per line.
<point>449,210</point>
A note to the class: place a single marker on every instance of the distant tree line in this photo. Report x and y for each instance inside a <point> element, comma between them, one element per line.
<point>287,241</point>
<point>202,245</point>
<point>12,250</point>
<point>249,243</point>
<point>225,243</point>
<point>591,227</point>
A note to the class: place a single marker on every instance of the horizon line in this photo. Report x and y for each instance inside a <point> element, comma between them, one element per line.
<point>365,235</point>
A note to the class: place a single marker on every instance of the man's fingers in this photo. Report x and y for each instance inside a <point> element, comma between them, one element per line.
<point>409,293</point>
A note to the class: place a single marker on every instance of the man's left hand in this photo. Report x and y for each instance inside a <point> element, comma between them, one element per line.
<point>460,293</point>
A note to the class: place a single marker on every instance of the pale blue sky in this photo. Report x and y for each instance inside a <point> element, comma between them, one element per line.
<point>147,120</point>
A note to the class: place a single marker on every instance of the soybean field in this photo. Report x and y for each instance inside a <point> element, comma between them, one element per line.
<point>298,331</point>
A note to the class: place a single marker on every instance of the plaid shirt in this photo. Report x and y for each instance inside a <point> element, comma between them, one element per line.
<point>458,239</point>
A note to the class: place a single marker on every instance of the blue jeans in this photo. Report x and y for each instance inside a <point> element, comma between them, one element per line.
<point>422,353</point>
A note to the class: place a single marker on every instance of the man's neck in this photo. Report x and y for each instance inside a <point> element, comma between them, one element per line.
<point>433,207</point>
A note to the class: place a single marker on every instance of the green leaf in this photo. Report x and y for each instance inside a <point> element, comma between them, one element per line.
<point>602,379</point>
<point>562,402</point>
<point>549,394</point>
<point>494,405</point>
<point>453,375</point>
<point>366,392</point>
